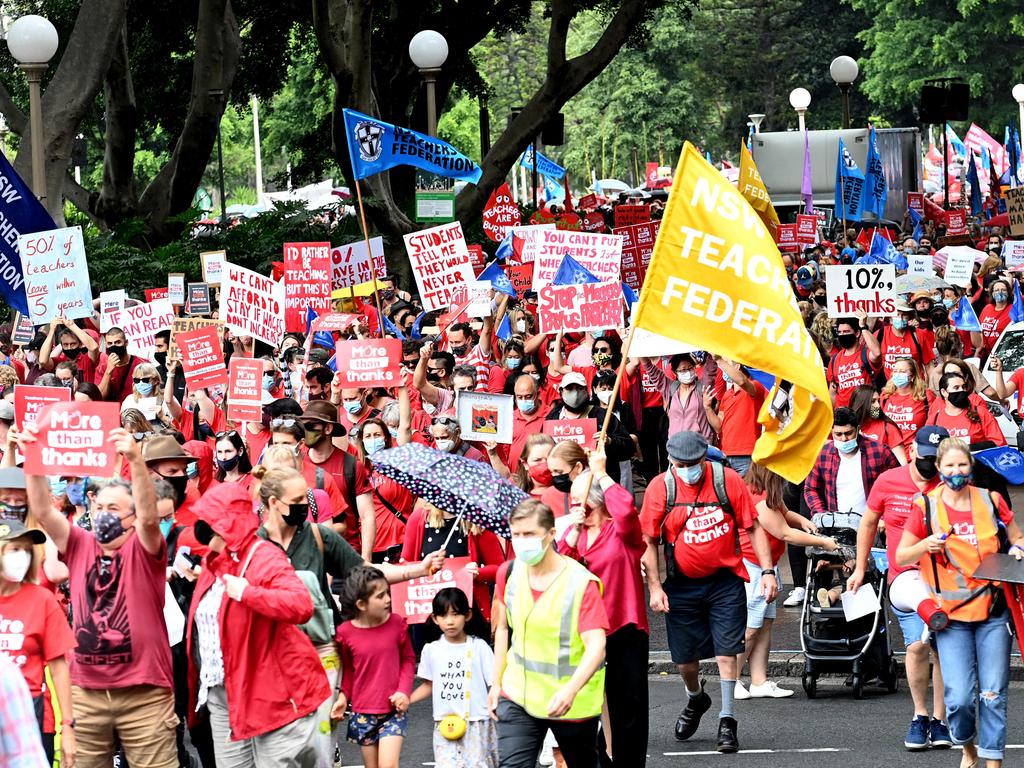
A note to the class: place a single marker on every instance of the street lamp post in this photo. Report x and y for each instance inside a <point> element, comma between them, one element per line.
<point>32,41</point>
<point>844,71</point>
<point>259,150</point>
<point>800,100</point>
<point>757,118</point>
<point>428,50</point>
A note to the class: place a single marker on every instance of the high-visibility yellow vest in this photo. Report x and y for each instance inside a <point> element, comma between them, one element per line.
<point>545,646</point>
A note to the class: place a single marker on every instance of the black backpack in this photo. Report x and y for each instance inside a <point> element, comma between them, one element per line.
<point>722,500</point>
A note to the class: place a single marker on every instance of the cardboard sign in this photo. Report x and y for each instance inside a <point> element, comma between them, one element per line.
<point>198,299</point>
<point>588,307</point>
<point>141,323</point>
<point>956,222</point>
<point>72,440</point>
<point>569,222</point>
<point>485,416</point>
<point>588,202</point>
<point>479,298</point>
<point>176,288</point>
<point>637,247</point>
<point>369,363</point>
<point>501,214</point>
<point>806,229</point>
<point>29,402</point>
<point>915,202</point>
<point>582,431</point>
<point>477,258</point>
<point>600,254</point>
<point>785,237</point>
<point>854,288</point>
<point>543,216</point>
<point>56,275</point>
<point>920,264</point>
<point>1013,254</point>
<point>1015,210</point>
<point>625,215</point>
<point>245,389</point>
<point>252,305</point>
<point>109,302</point>
<point>155,294</point>
<point>23,330</point>
<point>824,217</point>
<point>959,268</point>
<point>213,265</point>
<point>352,264</point>
<point>414,599</point>
<point>594,222</point>
<point>440,263</point>
<point>307,282</point>
<point>180,325</point>
<point>202,358</point>
<point>521,277</point>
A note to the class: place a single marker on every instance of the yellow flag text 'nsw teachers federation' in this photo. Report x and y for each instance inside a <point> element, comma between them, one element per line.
<point>716,280</point>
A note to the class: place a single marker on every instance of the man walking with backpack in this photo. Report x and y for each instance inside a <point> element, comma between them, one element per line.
<point>695,511</point>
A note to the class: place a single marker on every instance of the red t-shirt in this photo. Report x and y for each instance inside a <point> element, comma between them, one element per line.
<point>894,347</point>
<point>650,392</point>
<point>33,631</point>
<point>882,431</point>
<point>86,367</point>
<point>739,410</point>
<point>908,413</point>
<point>256,443</point>
<point>522,427</point>
<point>335,466</point>
<point>993,322</point>
<point>776,546</point>
<point>963,428</point>
<point>339,504</point>
<point>1017,377</point>
<point>121,384</point>
<point>709,542</point>
<point>592,613</point>
<point>390,530</point>
<point>846,371</point>
<point>118,608</point>
<point>892,496</point>
<point>376,662</point>
<point>961,521</point>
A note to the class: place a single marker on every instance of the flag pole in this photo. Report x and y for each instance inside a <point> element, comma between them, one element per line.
<point>373,268</point>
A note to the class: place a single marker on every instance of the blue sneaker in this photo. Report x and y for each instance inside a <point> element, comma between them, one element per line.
<point>917,734</point>
<point>938,735</point>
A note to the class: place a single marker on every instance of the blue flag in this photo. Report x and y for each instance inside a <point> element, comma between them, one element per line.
<point>875,191</point>
<point>849,186</point>
<point>417,326</point>
<point>504,331</point>
<point>964,317</point>
<point>571,272</point>
<point>499,280</point>
<point>954,142</point>
<point>20,214</point>
<point>391,328</point>
<point>545,165</point>
<point>375,146</point>
<point>918,221</point>
<point>629,295</point>
<point>883,252</point>
<point>552,189</point>
<point>1017,308</point>
<point>1010,176</point>
<point>1004,460</point>
<point>972,179</point>
<point>505,247</point>
<point>320,338</point>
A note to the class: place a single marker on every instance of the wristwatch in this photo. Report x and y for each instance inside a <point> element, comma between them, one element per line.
<point>768,572</point>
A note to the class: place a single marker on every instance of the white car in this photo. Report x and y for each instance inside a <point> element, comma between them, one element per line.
<point>1010,350</point>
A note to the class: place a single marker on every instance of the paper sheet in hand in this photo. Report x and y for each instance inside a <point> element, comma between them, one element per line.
<point>860,603</point>
<point>173,617</point>
<point>1000,567</point>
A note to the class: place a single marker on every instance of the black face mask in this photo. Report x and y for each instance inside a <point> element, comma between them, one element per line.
<point>203,532</point>
<point>205,431</point>
<point>297,513</point>
<point>562,483</point>
<point>821,301</point>
<point>180,486</point>
<point>13,511</point>
<point>847,340</point>
<point>120,351</point>
<point>72,353</point>
<point>228,464</point>
<point>925,466</point>
<point>460,350</point>
<point>161,359</point>
<point>959,399</point>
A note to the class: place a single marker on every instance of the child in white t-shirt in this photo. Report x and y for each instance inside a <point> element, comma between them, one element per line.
<point>458,670</point>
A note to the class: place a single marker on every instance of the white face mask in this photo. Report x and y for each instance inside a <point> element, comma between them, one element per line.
<point>520,326</point>
<point>687,378</point>
<point>529,549</point>
<point>605,396</point>
<point>16,564</point>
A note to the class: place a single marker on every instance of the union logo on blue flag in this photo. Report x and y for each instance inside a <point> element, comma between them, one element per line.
<point>571,272</point>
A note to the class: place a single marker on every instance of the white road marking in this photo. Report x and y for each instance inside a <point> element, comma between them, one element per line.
<point>758,752</point>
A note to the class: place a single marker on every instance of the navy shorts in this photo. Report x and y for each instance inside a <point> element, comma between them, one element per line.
<point>706,617</point>
<point>367,730</point>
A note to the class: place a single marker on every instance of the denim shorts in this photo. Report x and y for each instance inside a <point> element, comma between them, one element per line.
<point>758,609</point>
<point>911,625</point>
<point>367,730</point>
<point>706,617</point>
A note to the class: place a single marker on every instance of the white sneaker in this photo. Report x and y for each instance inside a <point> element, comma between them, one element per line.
<point>547,756</point>
<point>741,694</point>
<point>796,597</point>
<point>768,690</point>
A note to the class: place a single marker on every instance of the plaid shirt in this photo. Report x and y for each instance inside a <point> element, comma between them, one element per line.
<point>20,744</point>
<point>820,486</point>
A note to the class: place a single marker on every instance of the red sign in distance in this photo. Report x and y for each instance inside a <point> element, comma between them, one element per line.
<point>501,214</point>
<point>245,389</point>
<point>202,357</point>
<point>71,440</point>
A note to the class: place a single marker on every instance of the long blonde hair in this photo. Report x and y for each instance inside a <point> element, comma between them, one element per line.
<point>917,383</point>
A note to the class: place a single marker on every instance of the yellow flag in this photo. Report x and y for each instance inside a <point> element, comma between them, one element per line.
<point>755,192</point>
<point>716,281</point>
<point>796,424</point>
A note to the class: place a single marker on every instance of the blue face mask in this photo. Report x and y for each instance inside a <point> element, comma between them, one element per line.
<point>899,323</point>
<point>526,406</point>
<point>726,378</point>
<point>393,431</point>
<point>76,493</point>
<point>691,475</point>
<point>144,388</point>
<point>999,296</point>
<point>900,380</point>
<point>948,303</point>
<point>846,446</point>
<point>165,527</point>
<point>956,482</point>
<point>58,486</point>
<point>372,445</point>
<point>353,406</point>
<point>513,362</point>
<point>268,382</point>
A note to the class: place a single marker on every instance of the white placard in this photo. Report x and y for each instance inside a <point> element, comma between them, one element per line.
<point>56,274</point>
<point>860,287</point>
<point>141,323</point>
<point>350,263</point>
<point>920,264</point>
<point>479,299</point>
<point>440,262</point>
<point>484,416</point>
<point>252,304</point>
<point>959,268</point>
<point>863,602</point>
<point>110,301</point>
<point>176,288</point>
<point>1013,254</point>
<point>213,266</point>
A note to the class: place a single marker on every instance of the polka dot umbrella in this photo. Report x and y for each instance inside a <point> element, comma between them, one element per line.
<point>458,485</point>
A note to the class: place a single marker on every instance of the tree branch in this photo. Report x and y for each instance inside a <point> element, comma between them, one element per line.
<point>117,199</point>
<point>84,200</point>
<point>561,14</point>
<point>16,119</point>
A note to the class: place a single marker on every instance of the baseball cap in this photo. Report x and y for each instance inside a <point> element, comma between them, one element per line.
<point>804,278</point>
<point>15,529</point>
<point>572,378</point>
<point>928,438</point>
<point>12,477</point>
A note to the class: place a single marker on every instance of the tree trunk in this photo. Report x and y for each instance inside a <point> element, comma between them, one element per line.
<point>118,199</point>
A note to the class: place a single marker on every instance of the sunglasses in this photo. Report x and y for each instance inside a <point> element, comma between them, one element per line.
<point>283,422</point>
<point>225,434</point>
<point>142,380</point>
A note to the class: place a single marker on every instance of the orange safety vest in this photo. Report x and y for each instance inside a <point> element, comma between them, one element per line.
<point>963,597</point>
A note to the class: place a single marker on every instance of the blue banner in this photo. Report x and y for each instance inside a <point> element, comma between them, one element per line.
<point>972,179</point>
<point>1005,460</point>
<point>499,280</point>
<point>849,186</point>
<point>375,146</point>
<point>875,191</point>
<point>883,252</point>
<point>964,317</point>
<point>918,221</point>
<point>20,214</point>
<point>545,165</point>
<point>571,272</point>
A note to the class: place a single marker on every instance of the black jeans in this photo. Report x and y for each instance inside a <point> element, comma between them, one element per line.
<point>520,737</point>
<point>653,440</point>
<point>625,686</point>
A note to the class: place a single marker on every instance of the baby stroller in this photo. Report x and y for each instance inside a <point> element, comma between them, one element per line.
<point>860,648</point>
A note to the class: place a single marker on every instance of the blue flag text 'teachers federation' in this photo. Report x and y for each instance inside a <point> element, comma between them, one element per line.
<point>545,165</point>
<point>20,214</point>
<point>375,146</point>
<point>875,191</point>
<point>849,186</point>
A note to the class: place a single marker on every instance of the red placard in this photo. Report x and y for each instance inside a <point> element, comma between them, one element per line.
<point>152,294</point>
<point>521,277</point>
<point>806,229</point>
<point>501,214</point>
<point>582,431</point>
<point>412,599</point>
<point>29,402</point>
<point>915,202</point>
<point>72,440</point>
<point>569,221</point>
<point>245,389</point>
<point>202,357</point>
<point>785,236</point>
<point>627,215</point>
<point>637,247</point>
<point>307,282</point>
<point>593,222</point>
<point>588,202</point>
<point>956,223</point>
<point>476,257</point>
<point>369,363</point>
<point>335,321</point>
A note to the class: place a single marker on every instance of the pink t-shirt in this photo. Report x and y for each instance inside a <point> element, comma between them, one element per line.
<point>117,603</point>
<point>892,496</point>
<point>375,663</point>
